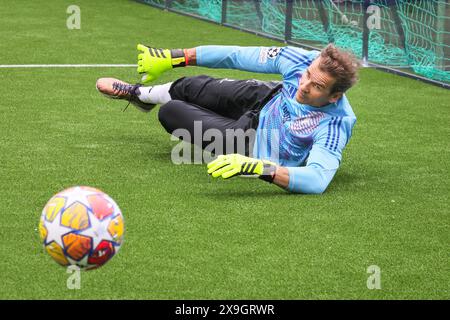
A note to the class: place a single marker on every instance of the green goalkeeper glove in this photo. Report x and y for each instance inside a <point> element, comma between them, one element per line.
<point>153,62</point>
<point>231,165</point>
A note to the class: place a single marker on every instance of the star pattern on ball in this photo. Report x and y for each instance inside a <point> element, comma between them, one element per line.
<point>56,231</point>
<point>98,231</point>
<point>78,194</point>
<point>83,263</point>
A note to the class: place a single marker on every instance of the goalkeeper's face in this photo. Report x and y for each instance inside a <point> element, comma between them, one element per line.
<point>315,87</point>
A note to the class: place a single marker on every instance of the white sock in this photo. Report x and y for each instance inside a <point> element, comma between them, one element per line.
<point>158,94</point>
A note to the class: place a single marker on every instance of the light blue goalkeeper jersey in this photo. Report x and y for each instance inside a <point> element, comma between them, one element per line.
<point>307,140</point>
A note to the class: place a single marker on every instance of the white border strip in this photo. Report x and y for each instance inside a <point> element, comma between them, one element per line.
<point>7,66</point>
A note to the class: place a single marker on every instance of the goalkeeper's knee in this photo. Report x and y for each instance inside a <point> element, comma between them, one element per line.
<point>152,62</point>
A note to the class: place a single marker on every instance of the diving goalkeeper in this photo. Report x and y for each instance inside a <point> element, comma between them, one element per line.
<point>301,125</point>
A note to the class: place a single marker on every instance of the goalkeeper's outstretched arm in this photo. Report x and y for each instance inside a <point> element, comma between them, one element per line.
<point>311,179</point>
<point>152,62</point>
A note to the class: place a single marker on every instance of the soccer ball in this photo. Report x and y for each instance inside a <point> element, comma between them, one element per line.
<point>81,226</point>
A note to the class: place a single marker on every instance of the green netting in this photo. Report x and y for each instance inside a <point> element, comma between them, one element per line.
<point>410,34</point>
<point>345,28</point>
<point>211,10</point>
<point>159,3</point>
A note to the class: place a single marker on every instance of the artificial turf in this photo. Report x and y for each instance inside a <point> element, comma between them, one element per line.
<point>189,236</point>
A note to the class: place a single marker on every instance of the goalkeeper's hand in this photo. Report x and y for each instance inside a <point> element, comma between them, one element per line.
<point>152,62</point>
<point>227,166</point>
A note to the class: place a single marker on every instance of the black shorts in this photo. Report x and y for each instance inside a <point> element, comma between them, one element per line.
<point>202,103</point>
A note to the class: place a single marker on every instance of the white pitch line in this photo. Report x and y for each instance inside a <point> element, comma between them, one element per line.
<point>7,66</point>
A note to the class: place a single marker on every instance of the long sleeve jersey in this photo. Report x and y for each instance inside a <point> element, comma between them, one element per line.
<point>307,140</point>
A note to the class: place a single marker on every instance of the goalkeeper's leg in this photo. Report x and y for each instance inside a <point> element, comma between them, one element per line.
<point>145,98</point>
<point>231,135</point>
<point>230,107</point>
<point>226,97</point>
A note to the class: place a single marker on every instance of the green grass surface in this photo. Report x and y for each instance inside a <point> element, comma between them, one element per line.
<point>188,236</point>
